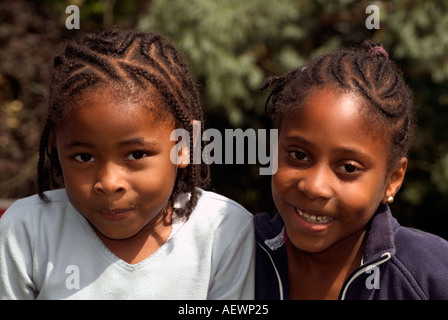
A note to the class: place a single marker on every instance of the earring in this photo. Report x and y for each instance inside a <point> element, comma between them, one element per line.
<point>390,200</point>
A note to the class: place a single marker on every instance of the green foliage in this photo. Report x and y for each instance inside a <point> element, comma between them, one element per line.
<point>419,32</point>
<point>228,43</point>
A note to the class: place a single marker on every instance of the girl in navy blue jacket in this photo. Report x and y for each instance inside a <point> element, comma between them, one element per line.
<point>345,123</point>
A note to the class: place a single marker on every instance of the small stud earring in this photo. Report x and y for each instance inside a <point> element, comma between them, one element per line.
<point>390,200</point>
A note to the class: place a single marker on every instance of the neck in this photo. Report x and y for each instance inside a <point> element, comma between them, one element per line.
<point>321,275</point>
<point>345,250</point>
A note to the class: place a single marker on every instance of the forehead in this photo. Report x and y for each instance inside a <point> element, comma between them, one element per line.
<point>103,116</point>
<point>343,106</point>
<point>331,118</point>
<point>118,96</point>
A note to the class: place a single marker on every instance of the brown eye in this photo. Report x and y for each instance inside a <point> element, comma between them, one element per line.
<point>137,155</point>
<point>298,155</point>
<point>84,157</point>
<point>349,168</point>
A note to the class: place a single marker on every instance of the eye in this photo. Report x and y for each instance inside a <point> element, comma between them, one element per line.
<point>136,155</point>
<point>298,155</point>
<point>349,168</point>
<point>84,157</point>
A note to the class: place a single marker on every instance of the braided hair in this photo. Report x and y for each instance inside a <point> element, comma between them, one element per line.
<point>132,61</point>
<point>365,71</point>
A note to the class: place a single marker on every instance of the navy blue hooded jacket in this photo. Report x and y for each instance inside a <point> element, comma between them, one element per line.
<point>398,262</point>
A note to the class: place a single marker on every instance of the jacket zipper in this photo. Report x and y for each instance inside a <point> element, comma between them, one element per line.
<point>385,257</point>
<point>279,279</point>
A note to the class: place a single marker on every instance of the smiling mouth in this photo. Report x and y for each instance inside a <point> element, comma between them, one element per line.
<point>313,218</point>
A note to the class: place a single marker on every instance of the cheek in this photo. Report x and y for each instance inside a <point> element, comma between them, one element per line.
<point>153,197</point>
<point>79,188</point>
<point>360,200</point>
<point>157,183</point>
<point>282,183</point>
<point>73,179</point>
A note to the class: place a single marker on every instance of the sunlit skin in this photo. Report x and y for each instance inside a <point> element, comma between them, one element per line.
<point>115,158</point>
<point>329,167</point>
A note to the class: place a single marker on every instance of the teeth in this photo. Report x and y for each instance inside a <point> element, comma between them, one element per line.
<point>314,219</point>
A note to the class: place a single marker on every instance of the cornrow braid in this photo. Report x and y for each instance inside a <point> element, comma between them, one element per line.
<point>132,60</point>
<point>365,71</point>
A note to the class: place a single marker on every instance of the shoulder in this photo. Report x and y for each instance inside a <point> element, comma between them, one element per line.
<point>32,229</point>
<point>267,228</point>
<point>58,198</point>
<point>33,203</point>
<point>424,257</point>
<point>33,213</point>
<point>219,224</point>
<point>211,204</point>
<point>215,216</point>
<point>269,235</point>
<point>415,244</point>
<point>271,263</point>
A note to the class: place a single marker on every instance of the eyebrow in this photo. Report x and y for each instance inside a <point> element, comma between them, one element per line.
<point>353,152</point>
<point>77,144</point>
<point>138,140</point>
<point>299,139</point>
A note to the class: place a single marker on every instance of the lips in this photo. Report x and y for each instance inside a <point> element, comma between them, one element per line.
<point>115,211</point>
<point>311,218</point>
<point>116,214</point>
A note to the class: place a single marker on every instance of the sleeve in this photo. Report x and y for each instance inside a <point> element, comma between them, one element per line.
<point>16,263</point>
<point>234,265</point>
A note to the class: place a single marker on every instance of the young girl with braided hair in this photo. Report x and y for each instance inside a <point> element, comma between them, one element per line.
<point>345,121</point>
<point>124,220</point>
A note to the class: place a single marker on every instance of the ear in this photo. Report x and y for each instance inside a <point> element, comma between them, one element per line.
<point>395,180</point>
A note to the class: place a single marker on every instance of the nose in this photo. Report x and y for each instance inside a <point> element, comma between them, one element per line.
<point>315,182</point>
<point>109,180</point>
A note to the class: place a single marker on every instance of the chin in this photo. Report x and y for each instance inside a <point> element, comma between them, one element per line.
<point>309,246</point>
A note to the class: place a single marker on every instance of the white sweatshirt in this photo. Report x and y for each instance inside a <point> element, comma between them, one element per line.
<point>50,251</point>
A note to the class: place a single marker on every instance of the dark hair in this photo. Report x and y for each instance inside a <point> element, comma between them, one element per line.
<point>133,61</point>
<point>366,71</point>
